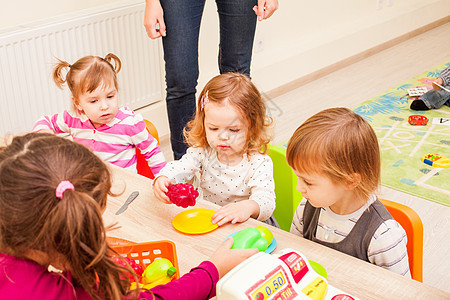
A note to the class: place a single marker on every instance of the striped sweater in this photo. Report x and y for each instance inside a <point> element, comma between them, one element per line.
<point>114,142</point>
<point>445,75</point>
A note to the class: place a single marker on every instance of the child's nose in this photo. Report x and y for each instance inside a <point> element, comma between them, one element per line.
<point>223,135</point>
<point>104,105</point>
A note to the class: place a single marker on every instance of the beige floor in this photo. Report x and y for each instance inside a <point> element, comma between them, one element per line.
<point>361,81</point>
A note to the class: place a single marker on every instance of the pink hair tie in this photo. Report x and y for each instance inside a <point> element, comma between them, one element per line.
<point>205,100</point>
<point>62,187</point>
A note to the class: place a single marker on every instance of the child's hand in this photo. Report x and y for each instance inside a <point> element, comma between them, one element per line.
<point>438,81</point>
<point>225,258</point>
<point>160,185</point>
<point>236,212</point>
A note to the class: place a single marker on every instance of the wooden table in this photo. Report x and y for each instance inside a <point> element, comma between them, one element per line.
<point>148,219</point>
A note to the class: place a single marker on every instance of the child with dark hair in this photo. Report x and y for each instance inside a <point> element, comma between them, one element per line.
<point>52,196</point>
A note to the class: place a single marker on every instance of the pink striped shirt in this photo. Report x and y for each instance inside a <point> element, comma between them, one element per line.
<point>114,142</point>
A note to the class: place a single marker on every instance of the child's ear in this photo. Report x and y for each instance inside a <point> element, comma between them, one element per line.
<point>353,181</point>
<point>76,103</point>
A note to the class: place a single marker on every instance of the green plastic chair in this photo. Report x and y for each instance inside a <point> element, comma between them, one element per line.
<point>287,195</point>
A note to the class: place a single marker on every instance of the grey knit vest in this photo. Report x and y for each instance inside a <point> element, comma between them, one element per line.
<point>356,243</point>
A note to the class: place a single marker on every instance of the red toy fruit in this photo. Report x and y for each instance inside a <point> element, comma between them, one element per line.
<point>182,194</point>
<point>137,268</point>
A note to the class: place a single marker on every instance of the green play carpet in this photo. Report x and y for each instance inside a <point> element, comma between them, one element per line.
<point>402,145</point>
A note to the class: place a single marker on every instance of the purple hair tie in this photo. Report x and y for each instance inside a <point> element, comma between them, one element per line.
<point>62,187</point>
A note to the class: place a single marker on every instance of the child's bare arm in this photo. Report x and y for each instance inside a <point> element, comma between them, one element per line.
<point>439,81</point>
<point>225,258</point>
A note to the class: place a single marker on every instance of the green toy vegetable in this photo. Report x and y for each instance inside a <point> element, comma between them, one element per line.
<point>249,238</point>
<point>265,233</point>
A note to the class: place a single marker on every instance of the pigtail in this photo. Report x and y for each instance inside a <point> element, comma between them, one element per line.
<point>77,222</point>
<point>117,63</point>
<point>57,76</point>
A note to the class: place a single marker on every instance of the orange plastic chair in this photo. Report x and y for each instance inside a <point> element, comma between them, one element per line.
<point>141,164</point>
<point>412,224</point>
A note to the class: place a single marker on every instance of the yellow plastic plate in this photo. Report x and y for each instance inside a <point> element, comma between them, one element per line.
<point>194,221</point>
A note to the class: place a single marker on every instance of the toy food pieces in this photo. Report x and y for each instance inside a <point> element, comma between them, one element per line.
<point>436,160</point>
<point>286,275</point>
<point>259,237</point>
<point>417,120</point>
<point>161,271</point>
<point>182,194</point>
<point>124,261</point>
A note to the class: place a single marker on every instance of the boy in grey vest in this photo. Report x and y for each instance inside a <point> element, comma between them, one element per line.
<point>336,158</point>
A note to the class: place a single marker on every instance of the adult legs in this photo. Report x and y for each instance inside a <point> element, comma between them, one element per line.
<point>180,45</point>
<point>237,32</point>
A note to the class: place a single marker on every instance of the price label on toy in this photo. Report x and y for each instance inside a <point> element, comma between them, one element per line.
<point>274,286</point>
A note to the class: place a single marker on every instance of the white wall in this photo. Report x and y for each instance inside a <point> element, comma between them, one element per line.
<point>18,12</point>
<point>305,36</point>
<point>300,38</point>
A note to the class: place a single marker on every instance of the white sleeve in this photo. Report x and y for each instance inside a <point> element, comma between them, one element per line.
<point>262,186</point>
<point>181,171</point>
<point>387,248</point>
<point>297,221</point>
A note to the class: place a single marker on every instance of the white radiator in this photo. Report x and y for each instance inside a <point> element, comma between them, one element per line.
<point>28,54</point>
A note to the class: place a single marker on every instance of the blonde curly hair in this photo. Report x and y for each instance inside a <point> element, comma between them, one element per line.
<point>242,94</point>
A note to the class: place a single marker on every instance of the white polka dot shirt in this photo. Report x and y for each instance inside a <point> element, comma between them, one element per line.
<point>221,184</point>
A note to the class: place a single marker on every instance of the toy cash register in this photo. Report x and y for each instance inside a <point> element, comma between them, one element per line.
<point>284,276</point>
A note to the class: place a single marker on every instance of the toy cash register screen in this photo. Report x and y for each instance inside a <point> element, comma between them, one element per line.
<point>275,285</point>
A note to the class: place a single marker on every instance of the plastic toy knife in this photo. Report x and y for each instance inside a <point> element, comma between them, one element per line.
<point>129,200</point>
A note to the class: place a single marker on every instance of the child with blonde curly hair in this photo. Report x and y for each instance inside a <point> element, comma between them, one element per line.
<point>228,139</point>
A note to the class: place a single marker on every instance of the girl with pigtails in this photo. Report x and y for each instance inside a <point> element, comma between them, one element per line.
<point>95,120</point>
